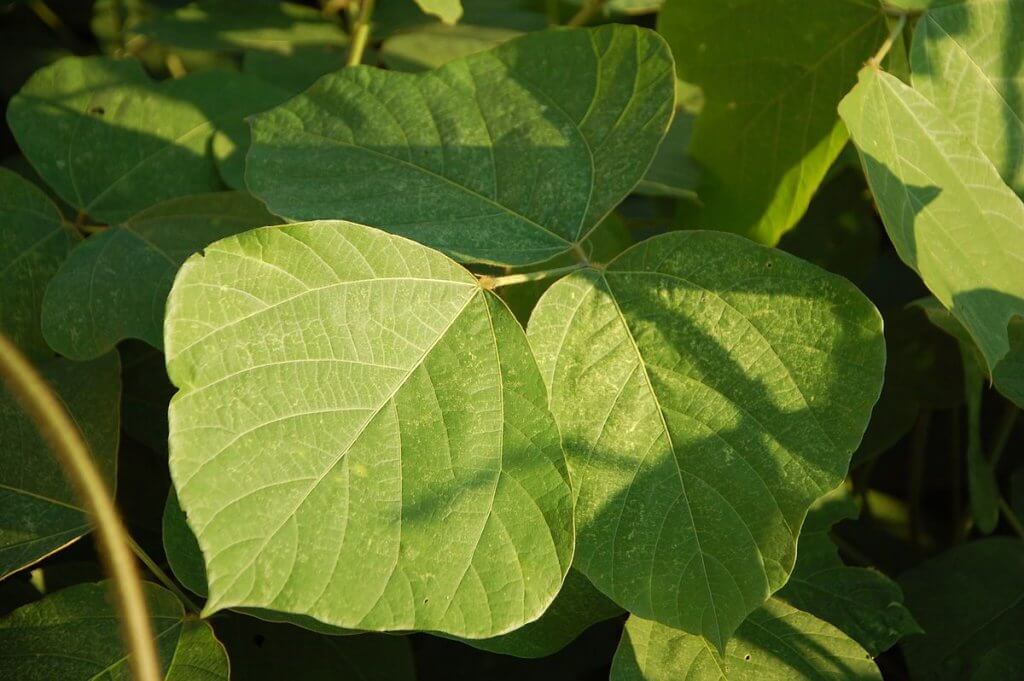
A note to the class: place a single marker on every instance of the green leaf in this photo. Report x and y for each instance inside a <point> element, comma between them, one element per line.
<point>115,284</point>
<point>75,635</point>
<point>708,390</point>
<point>434,45</point>
<point>772,74</point>
<point>360,435</point>
<point>448,11</point>
<point>261,651</point>
<point>496,157</point>
<point>966,60</point>
<point>39,512</point>
<point>35,241</point>
<point>930,183</point>
<point>292,72</point>
<point>577,606</point>
<point>181,548</point>
<point>111,142</point>
<point>237,26</point>
<point>863,603</point>
<point>673,172</point>
<point>970,601</point>
<point>777,642</point>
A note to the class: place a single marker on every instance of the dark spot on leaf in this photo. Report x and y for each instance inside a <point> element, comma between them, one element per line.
<point>747,657</point>
<point>98,110</point>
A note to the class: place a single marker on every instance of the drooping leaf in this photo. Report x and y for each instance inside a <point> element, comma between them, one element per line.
<point>577,606</point>
<point>776,643</point>
<point>708,390</point>
<point>246,25</point>
<point>115,284</point>
<point>35,241</point>
<point>510,156</point>
<point>448,11</point>
<point>75,635</point>
<point>434,45</point>
<point>39,512</point>
<point>111,142</point>
<point>863,603</point>
<point>970,601</point>
<point>262,651</point>
<point>966,60</point>
<point>772,74</point>
<point>945,208</point>
<point>360,435</point>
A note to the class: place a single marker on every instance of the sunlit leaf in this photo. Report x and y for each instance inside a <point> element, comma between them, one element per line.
<point>708,390</point>
<point>360,435</point>
<point>448,11</point>
<point>432,46</point>
<point>497,157</point>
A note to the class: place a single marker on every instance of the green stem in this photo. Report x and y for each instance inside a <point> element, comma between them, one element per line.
<point>897,29</point>
<point>1011,517</point>
<point>491,283</point>
<point>1005,429</point>
<point>360,33</point>
<point>162,576</point>
<point>590,9</point>
<point>67,443</point>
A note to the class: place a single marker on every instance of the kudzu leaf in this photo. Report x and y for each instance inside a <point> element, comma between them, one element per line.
<point>970,601</point>
<point>708,390</point>
<point>772,73</point>
<point>448,11</point>
<point>673,172</point>
<point>777,642</point>
<point>111,142</point>
<point>945,208</point>
<point>75,635</point>
<point>114,285</point>
<point>39,511</point>
<point>577,606</point>
<point>234,25</point>
<point>433,45</point>
<point>510,156</point>
<point>863,603</point>
<point>360,436</point>
<point>35,241</point>
<point>965,60</point>
<point>261,651</point>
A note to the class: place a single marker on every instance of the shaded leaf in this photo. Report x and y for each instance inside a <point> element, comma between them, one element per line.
<point>432,46</point>
<point>75,635</point>
<point>115,284</point>
<point>39,512</point>
<point>708,390</point>
<point>496,157</point>
<point>330,371</point>
<point>292,72</point>
<point>772,74</point>
<point>673,172</point>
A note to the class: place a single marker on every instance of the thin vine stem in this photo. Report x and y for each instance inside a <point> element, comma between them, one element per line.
<point>492,283</point>
<point>590,9</point>
<point>161,576</point>
<point>360,33</point>
<point>890,40</point>
<point>64,438</point>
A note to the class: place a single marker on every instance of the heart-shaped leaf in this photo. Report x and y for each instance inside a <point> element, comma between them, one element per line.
<point>39,512</point>
<point>361,436</point>
<point>509,156</point>
<point>115,284</point>
<point>708,390</point>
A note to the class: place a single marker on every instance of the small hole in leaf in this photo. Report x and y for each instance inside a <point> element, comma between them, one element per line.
<point>769,264</point>
<point>98,110</point>
<point>425,601</point>
<point>258,640</point>
<point>747,657</point>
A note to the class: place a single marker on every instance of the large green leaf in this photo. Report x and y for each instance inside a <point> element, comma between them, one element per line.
<point>970,601</point>
<point>75,635</point>
<point>243,25</point>
<point>509,156</point>
<point>35,241</point>
<point>772,72</point>
<point>111,142</point>
<point>966,59</point>
<point>360,435</point>
<point>776,643</point>
<point>39,512</point>
<point>115,284</point>
<point>863,603</point>
<point>708,390</point>
<point>947,211</point>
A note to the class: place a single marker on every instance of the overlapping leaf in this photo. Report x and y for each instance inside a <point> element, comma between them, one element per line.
<point>708,390</point>
<point>360,435</point>
<point>114,285</point>
<point>75,635</point>
<point>947,211</point>
<point>509,156</point>
<point>772,72</point>
<point>39,512</point>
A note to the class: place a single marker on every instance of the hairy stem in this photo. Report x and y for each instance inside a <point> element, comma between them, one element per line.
<point>491,283</point>
<point>113,542</point>
<point>360,33</point>
<point>161,576</point>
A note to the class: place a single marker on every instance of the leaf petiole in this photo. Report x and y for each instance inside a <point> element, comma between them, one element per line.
<point>491,283</point>
<point>897,29</point>
<point>360,33</point>
<point>161,576</point>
